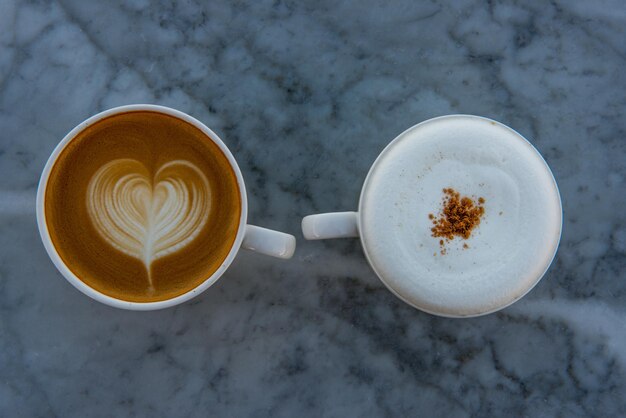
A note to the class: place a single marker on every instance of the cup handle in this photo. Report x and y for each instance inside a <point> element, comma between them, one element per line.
<point>331,225</point>
<point>269,242</point>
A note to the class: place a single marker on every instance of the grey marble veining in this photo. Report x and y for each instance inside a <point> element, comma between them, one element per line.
<point>306,94</point>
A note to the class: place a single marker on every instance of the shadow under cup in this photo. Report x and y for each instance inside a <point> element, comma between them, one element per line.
<point>141,205</point>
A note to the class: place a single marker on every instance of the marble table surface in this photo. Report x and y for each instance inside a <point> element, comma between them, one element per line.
<point>306,94</point>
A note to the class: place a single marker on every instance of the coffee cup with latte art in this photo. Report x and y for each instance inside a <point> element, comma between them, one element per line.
<point>143,207</point>
<point>459,216</point>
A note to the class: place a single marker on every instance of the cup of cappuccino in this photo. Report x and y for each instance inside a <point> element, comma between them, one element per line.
<point>459,216</point>
<point>143,207</point>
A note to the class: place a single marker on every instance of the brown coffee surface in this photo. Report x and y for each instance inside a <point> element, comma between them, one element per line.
<point>142,206</point>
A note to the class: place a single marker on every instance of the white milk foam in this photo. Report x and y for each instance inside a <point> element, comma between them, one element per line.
<point>508,252</point>
<point>144,216</point>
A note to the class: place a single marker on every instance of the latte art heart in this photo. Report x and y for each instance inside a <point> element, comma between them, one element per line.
<point>148,216</point>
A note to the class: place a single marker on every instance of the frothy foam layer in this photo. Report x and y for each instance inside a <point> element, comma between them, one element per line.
<point>510,249</point>
<point>145,216</point>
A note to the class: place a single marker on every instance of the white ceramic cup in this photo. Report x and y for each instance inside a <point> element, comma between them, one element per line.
<point>261,240</point>
<point>351,224</point>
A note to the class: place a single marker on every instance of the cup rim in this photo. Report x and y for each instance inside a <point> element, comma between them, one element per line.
<point>381,277</point>
<point>95,294</point>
